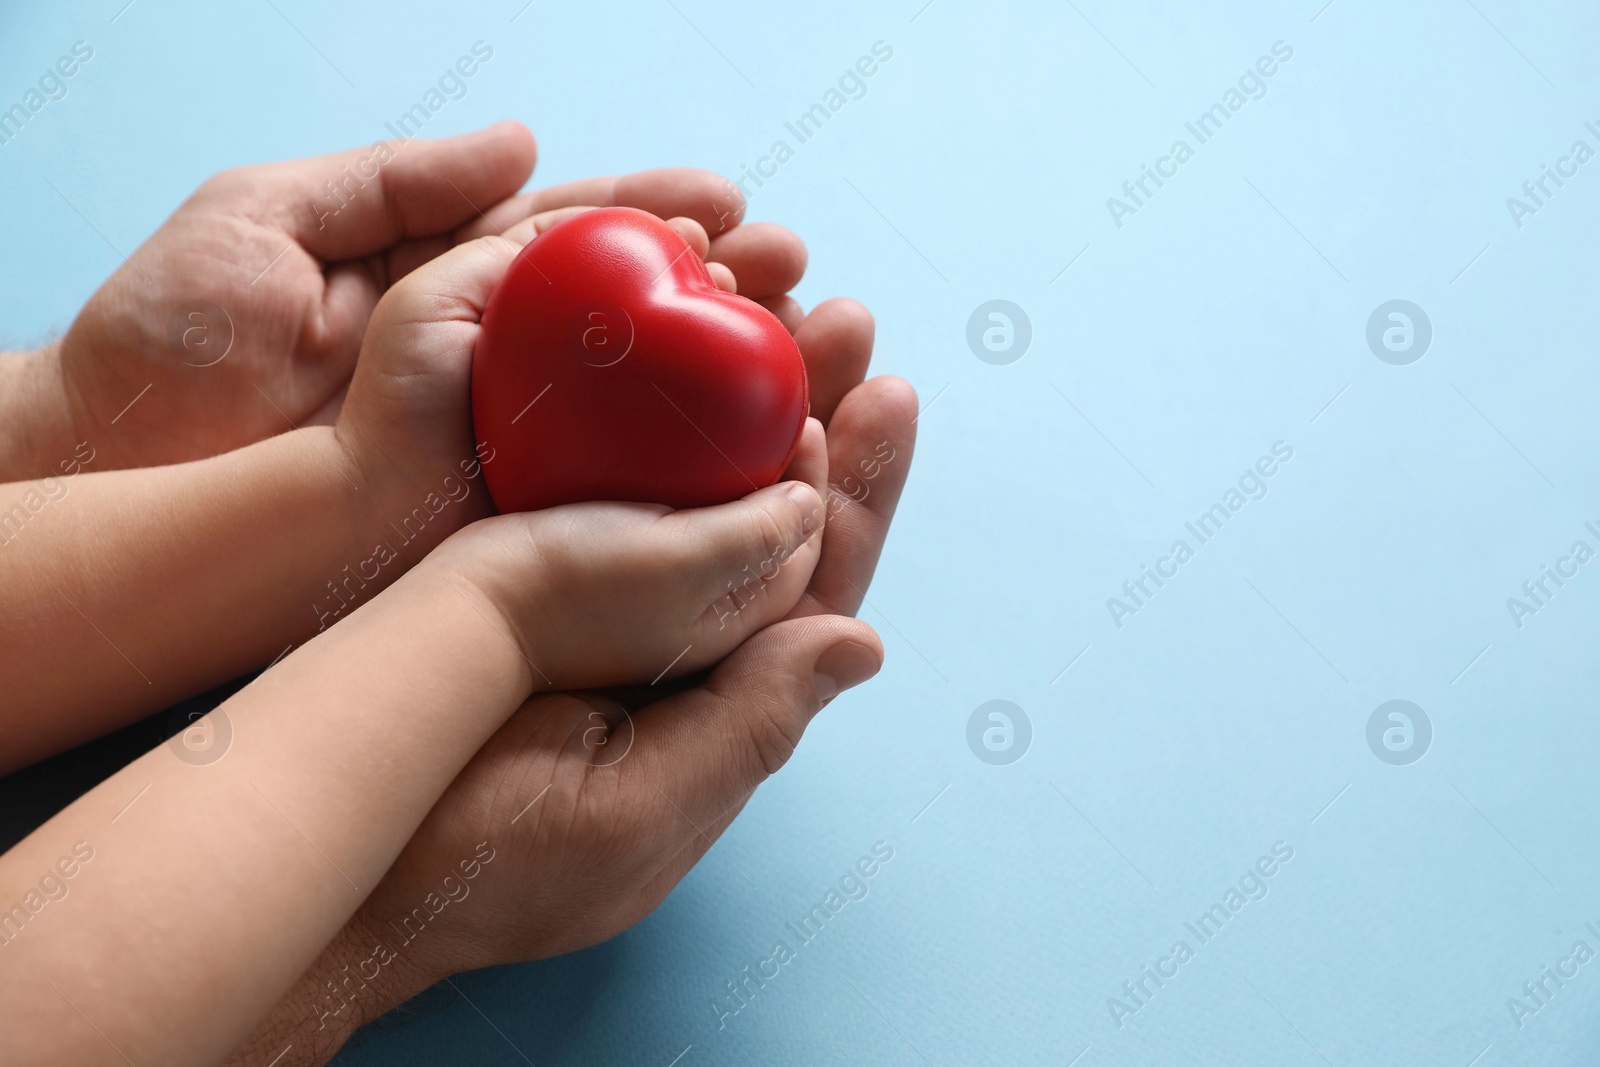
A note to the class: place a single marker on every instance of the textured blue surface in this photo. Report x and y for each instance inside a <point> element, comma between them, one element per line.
<point>1226,314</point>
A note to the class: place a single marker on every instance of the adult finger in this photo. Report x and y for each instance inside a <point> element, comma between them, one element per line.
<point>709,199</point>
<point>870,446</point>
<point>407,256</point>
<point>708,748</point>
<point>355,203</point>
<point>836,342</point>
<point>870,442</point>
<point>529,228</point>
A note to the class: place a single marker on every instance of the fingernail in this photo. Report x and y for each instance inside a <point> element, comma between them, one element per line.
<point>799,493</point>
<point>804,497</point>
<point>844,666</point>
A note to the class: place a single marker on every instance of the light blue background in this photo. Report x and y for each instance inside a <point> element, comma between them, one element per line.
<point>1222,318</point>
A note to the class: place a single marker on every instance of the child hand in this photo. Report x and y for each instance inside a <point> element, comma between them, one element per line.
<point>608,593</point>
<point>406,425</point>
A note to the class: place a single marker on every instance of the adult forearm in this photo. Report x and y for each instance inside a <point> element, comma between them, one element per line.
<point>37,439</point>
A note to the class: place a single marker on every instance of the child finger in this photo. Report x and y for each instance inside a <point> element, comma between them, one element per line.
<point>692,232</point>
<point>763,546</point>
<point>766,257</point>
<point>810,463</point>
<point>722,277</point>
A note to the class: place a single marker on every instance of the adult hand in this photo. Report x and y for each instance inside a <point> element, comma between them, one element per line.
<point>579,816</point>
<point>241,317</point>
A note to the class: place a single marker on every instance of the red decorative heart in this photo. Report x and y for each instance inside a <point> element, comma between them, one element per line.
<point>611,367</point>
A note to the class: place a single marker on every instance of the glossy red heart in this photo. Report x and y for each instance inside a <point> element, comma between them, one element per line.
<point>611,367</point>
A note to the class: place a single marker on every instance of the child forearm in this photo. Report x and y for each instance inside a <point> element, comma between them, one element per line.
<point>337,754</point>
<point>126,591</point>
<point>358,977</point>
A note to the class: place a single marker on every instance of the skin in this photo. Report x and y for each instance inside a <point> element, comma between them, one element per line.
<point>573,597</point>
<point>769,695</point>
<point>584,595</point>
<point>296,326</point>
<point>593,810</point>
<point>94,643</point>
<point>98,637</point>
<point>297,281</point>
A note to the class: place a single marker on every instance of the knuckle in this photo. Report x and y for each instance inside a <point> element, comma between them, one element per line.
<point>771,528</point>
<point>223,184</point>
<point>772,738</point>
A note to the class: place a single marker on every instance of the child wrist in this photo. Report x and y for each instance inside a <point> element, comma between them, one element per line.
<point>488,569</point>
<point>406,514</point>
